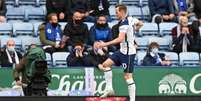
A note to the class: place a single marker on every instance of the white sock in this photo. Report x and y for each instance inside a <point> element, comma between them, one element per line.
<point>108,79</point>
<point>131,89</point>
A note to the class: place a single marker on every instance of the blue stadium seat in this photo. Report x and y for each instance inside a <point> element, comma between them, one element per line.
<point>112,12</point>
<point>142,42</point>
<point>34,13</point>
<point>166,28</point>
<point>173,57</point>
<point>36,28</point>
<point>30,2</point>
<point>149,29</point>
<point>189,59</point>
<point>48,59</point>
<point>5,30</point>
<point>15,13</point>
<point>145,13</point>
<point>135,11</point>
<point>12,2</point>
<point>26,42</point>
<point>23,29</point>
<point>59,59</point>
<point>113,2</point>
<point>130,2</point>
<point>164,43</point>
<point>140,56</point>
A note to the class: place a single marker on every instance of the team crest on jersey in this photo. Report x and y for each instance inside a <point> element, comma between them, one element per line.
<point>49,30</point>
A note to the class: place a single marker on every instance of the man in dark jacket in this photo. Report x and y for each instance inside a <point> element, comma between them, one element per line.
<point>82,5</point>
<point>75,31</point>
<point>163,8</point>
<point>3,11</point>
<point>60,7</point>
<point>197,7</point>
<point>10,56</point>
<point>98,7</point>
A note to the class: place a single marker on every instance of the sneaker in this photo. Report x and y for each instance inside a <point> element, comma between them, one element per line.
<point>108,93</point>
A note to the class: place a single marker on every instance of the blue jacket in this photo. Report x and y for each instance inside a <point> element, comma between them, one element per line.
<point>163,7</point>
<point>151,61</point>
<point>97,34</point>
<point>51,32</point>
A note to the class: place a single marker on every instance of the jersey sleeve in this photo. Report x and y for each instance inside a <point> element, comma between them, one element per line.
<point>123,28</point>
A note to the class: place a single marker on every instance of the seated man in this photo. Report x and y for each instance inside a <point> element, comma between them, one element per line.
<point>76,57</point>
<point>100,31</point>
<point>154,58</point>
<point>75,31</point>
<point>9,55</point>
<point>51,35</point>
<point>162,8</point>
<point>3,10</point>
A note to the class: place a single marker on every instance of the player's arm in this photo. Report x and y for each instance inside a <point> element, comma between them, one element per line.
<point>119,39</point>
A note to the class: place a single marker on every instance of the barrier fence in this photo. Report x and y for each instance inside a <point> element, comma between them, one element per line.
<point>163,81</point>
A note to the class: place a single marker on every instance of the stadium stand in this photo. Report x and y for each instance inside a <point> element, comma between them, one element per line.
<point>173,57</point>
<point>59,59</point>
<point>49,59</point>
<point>189,59</point>
<point>140,56</point>
<point>21,13</point>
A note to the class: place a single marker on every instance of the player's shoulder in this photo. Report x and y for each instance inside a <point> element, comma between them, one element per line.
<point>124,22</point>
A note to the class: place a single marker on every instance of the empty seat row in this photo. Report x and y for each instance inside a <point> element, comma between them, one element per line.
<point>26,13</point>
<point>164,42</point>
<point>17,3</point>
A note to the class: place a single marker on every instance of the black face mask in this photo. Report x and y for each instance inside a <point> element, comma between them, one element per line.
<point>101,25</point>
<point>54,25</point>
<point>78,22</point>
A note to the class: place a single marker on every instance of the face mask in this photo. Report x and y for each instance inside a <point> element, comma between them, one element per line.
<point>78,22</point>
<point>11,49</point>
<point>54,25</point>
<point>155,50</point>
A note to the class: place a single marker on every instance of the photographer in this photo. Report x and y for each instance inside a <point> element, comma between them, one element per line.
<point>76,57</point>
<point>32,68</point>
<point>182,37</point>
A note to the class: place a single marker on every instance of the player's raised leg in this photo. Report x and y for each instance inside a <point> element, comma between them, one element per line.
<point>106,67</point>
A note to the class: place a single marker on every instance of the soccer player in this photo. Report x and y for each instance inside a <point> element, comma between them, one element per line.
<point>125,56</point>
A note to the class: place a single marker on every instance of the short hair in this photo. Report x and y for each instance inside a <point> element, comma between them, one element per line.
<point>121,7</point>
<point>49,17</point>
<point>153,44</point>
